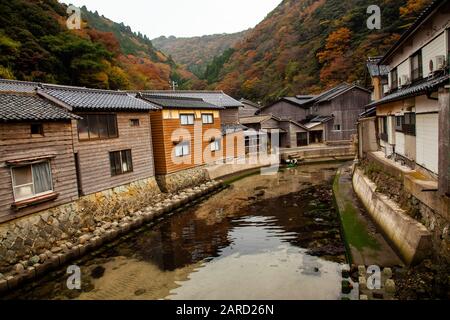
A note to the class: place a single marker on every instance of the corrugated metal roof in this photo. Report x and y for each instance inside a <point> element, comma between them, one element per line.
<point>96,99</point>
<point>178,102</point>
<point>218,98</point>
<point>412,91</point>
<point>30,107</point>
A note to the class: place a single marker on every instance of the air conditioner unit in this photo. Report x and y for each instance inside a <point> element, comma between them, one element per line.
<point>403,81</point>
<point>386,89</point>
<point>437,63</point>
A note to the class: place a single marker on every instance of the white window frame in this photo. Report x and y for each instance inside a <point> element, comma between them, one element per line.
<point>340,127</point>
<point>34,195</point>
<point>187,119</point>
<point>183,149</point>
<point>215,145</point>
<point>209,118</point>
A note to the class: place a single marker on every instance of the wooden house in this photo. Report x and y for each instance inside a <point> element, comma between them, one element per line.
<point>186,132</point>
<point>112,143</point>
<point>37,167</point>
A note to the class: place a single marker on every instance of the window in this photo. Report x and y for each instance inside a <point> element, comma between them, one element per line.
<point>187,119</point>
<point>302,139</point>
<point>337,127</point>
<point>399,120</point>
<point>394,79</point>
<point>97,126</point>
<point>409,124</point>
<point>383,129</point>
<point>134,123</point>
<point>215,145</point>
<point>207,118</point>
<point>121,162</point>
<point>32,180</point>
<point>182,149</point>
<point>416,66</point>
<point>37,130</point>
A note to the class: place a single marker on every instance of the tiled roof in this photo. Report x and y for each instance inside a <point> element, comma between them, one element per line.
<point>218,98</point>
<point>412,91</point>
<point>250,103</point>
<point>232,128</point>
<point>322,119</point>
<point>376,70</point>
<point>26,107</point>
<point>18,86</point>
<point>255,119</point>
<point>95,99</point>
<point>178,102</point>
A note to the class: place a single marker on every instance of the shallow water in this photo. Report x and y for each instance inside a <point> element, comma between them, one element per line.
<point>251,241</point>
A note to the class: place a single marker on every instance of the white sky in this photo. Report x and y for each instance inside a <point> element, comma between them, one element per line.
<point>182,18</point>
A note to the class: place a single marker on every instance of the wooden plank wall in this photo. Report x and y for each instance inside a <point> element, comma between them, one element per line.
<point>94,160</point>
<point>165,131</point>
<point>16,143</point>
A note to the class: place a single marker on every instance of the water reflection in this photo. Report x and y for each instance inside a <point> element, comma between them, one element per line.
<point>252,241</point>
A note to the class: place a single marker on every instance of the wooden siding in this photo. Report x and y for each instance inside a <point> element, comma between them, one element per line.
<point>95,169</point>
<point>16,143</point>
<point>285,110</point>
<point>247,111</point>
<point>236,143</point>
<point>346,109</point>
<point>164,135</point>
<point>229,116</point>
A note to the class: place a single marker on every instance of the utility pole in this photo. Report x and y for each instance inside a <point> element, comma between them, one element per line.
<point>174,85</point>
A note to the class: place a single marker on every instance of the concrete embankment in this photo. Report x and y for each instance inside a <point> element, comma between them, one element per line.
<point>410,238</point>
<point>319,154</point>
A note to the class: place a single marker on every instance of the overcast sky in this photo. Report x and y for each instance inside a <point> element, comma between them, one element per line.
<point>182,18</point>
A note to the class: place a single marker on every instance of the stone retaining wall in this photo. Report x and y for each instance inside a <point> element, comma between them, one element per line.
<point>412,239</point>
<point>182,179</point>
<point>23,240</point>
<point>93,238</point>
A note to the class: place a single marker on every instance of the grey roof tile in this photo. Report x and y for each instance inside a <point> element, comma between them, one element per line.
<point>30,107</point>
<point>18,86</point>
<point>413,90</point>
<point>95,99</point>
<point>178,102</point>
<point>218,98</point>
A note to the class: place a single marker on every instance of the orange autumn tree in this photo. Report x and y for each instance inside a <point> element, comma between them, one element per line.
<point>335,58</point>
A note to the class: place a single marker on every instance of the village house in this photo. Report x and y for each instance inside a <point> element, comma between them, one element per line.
<point>187,134</point>
<point>249,108</point>
<point>329,117</point>
<point>405,131</point>
<point>229,109</point>
<point>288,132</point>
<point>37,167</point>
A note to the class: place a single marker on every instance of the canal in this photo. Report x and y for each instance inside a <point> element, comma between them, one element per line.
<point>265,237</point>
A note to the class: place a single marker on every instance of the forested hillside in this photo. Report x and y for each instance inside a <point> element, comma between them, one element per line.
<point>196,52</point>
<point>304,46</point>
<point>36,45</point>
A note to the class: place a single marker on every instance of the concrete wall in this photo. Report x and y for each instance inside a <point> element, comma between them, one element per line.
<point>444,142</point>
<point>367,137</point>
<point>410,238</point>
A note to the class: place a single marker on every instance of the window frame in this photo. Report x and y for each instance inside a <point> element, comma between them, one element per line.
<point>394,84</point>
<point>135,123</point>
<point>188,115</point>
<point>182,145</point>
<point>208,115</point>
<point>89,118</point>
<point>409,123</point>
<point>215,145</point>
<point>399,127</point>
<point>340,127</point>
<point>416,73</point>
<point>123,154</point>
<point>41,130</point>
<point>34,195</point>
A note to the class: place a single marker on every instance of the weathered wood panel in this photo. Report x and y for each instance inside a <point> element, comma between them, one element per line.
<point>16,143</point>
<point>95,169</point>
